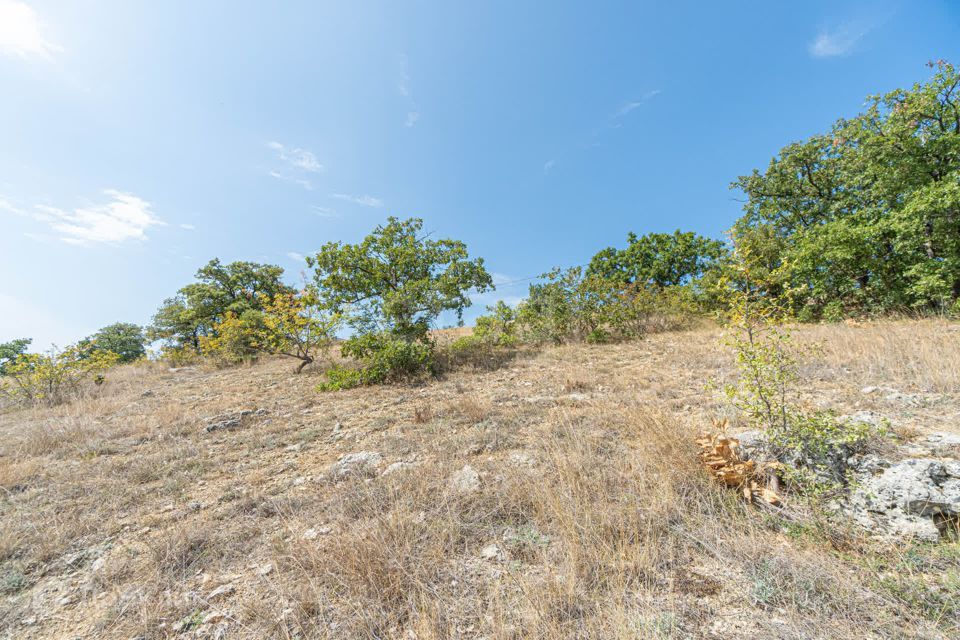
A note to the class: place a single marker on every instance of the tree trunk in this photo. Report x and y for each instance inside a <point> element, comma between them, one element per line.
<point>305,361</point>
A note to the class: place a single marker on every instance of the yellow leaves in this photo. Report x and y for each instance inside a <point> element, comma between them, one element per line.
<point>720,454</point>
<point>53,376</point>
<point>291,324</point>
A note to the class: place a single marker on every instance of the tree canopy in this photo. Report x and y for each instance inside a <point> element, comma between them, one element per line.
<point>397,279</point>
<point>124,339</point>
<point>866,218</point>
<point>220,289</point>
<point>658,259</point>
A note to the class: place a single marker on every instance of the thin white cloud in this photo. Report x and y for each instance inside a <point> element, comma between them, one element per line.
<point>325,212</point>
<point>614,121</point>
<point>297,158</point>
<point>297,164</point>
<point>296,257</point>
<point>630,106</point>
<point>187,226</point>
<point>21,32</point>
<point>124,217</point>
<point>500,279</point>
<point>403,86</point>
<point>303,182</point>
<point>364,200</point>
<point>837,41</point>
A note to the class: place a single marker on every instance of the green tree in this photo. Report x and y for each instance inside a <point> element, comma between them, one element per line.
<point>390,288</point>
<point>220,289</point>
<point>122,338</point>
<point>10,351</point>
<point>659,259</point>
<point>866,218</point>
<point>397,279</point>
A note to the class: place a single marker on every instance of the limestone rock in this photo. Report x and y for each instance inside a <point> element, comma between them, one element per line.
<point>913,497</point>
<point>361,463</point>
<point>466,480</point>
<point>232,420</point>
<point>397,467</point>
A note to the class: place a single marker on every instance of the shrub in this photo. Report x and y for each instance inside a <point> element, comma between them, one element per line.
<point>56,376</point>
<point>814,445</point>
<point>382,358</point>
<point>179,356</point>
<point>235,339</point>
<point>340,378</point>
<point>499,327</point>
<point>10,351</point>
<point>297,326</point>
<point>573,307</point>
<point>568,307</point>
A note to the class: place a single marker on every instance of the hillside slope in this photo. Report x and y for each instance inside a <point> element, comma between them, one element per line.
<point>558,496</point>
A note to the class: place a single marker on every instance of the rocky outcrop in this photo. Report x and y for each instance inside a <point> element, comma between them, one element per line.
<point>912,491</point>
<point>916,497</point>
<point>361,463</point>
<point>232,420</point>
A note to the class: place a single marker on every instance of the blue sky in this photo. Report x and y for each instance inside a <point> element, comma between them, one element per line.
<point>140,139</point>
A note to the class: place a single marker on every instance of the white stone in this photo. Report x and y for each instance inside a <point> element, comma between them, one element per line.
<point>466,480</point>
<point>359,463</point>
<point>490,552</point>
<point>397,467</point>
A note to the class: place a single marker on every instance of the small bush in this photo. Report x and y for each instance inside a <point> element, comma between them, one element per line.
<point>179,356</point>
<point>56,376</point>
<point>499,327</point>
<point>814,445</point>
<point>235,339</point>
<point>573,307</point>
<point>383,358</point>
<point>340,378</point>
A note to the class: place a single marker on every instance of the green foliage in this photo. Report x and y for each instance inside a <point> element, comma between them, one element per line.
<point>866,218</point>
<point>391,287</point>
<point>571,306</point>
<point>122,338</point>
<point>660,260</point>
<point>383,358</point>
<point>340,378</point>
<point>814,445</point>
<point>387,358</point>
<point>289,324</point>
<point>198,307</point>
<point>499,327</point>
<point>10,351</point>
<point>397,279</point>
<point>56,376</point>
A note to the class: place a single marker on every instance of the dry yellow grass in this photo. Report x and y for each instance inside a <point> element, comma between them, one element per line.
<point>120,516</point>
